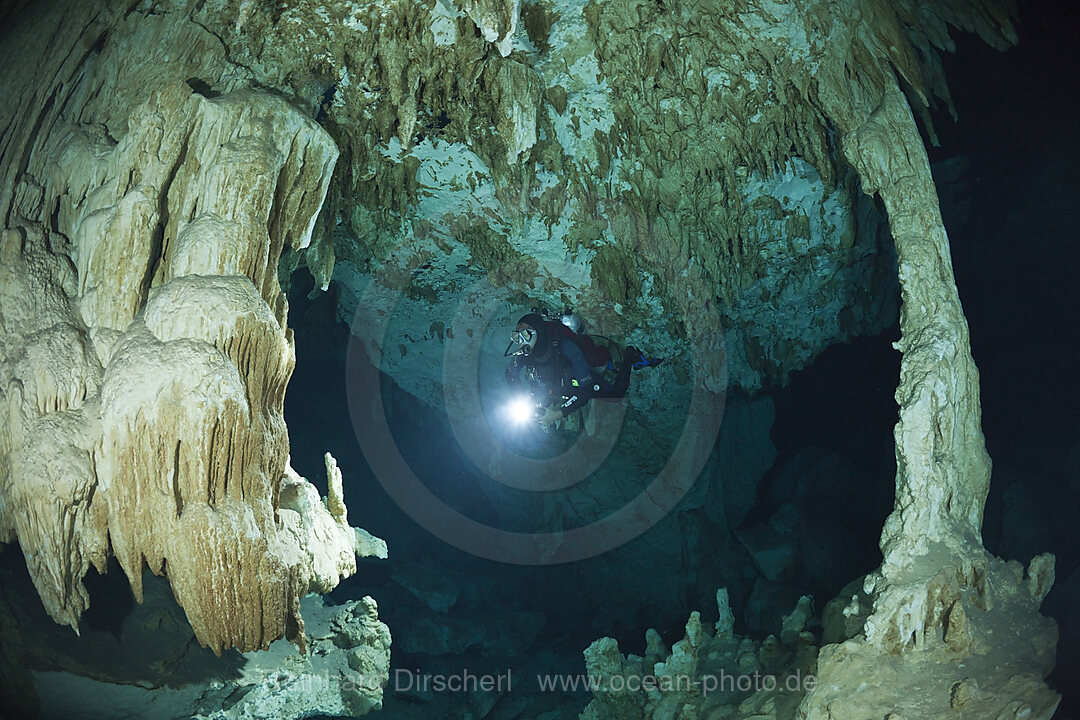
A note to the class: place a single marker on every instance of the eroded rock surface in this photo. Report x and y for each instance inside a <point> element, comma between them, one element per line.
<point>710,672</point>
<point>145,352</point>
<point>958,618</point>
<point>344,674</point>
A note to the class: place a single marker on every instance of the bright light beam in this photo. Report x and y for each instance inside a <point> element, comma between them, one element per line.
<point>521,410</point>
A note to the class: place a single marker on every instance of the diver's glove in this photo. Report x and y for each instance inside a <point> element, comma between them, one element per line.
<point>550,416</point>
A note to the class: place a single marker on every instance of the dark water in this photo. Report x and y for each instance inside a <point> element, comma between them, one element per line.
<point>1016,249</point>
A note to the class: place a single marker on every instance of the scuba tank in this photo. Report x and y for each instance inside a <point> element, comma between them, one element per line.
<point>567,317</point>
<point>572,320</point>
<point>599,350</point>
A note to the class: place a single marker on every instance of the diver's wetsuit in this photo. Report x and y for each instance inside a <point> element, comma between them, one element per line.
<point>585,383</point>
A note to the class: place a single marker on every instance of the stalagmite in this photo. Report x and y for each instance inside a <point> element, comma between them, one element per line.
<point>945,611</point>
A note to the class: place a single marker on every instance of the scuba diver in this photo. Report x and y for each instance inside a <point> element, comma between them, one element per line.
<point>564,368</point>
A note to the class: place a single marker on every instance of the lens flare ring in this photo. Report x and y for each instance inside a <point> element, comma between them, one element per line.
<point>469,423</point>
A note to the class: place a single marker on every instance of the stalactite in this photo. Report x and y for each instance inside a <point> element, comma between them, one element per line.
<point>145,356</point>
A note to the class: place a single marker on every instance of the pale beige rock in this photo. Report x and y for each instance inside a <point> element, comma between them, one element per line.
<point>145,355</point>
<point>945,611</point>
<point>496,19</point>
<point>321,531</point>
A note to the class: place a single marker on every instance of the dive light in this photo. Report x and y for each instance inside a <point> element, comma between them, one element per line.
<point>522,409</point>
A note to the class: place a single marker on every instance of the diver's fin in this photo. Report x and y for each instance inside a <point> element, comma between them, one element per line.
<point>638,359</point>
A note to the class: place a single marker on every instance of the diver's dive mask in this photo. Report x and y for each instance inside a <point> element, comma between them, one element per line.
<point>524,339</point>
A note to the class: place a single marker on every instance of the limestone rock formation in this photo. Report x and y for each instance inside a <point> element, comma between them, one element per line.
<point>958,618</point>
<point>705,674</point>
<point>939,598</point>
<point>344,674</point>
<point>581,171</point>
<point>145,351</point>
<point>491,152</point>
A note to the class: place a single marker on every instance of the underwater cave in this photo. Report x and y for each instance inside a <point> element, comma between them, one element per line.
<point>539,359</point>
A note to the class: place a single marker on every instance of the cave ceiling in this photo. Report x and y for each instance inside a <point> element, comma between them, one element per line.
<point>646,163</point>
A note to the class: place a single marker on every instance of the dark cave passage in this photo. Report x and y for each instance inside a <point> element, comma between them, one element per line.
<point>1013,225</point>
<point>832,433</point>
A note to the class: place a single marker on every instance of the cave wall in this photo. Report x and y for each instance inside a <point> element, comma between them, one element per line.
<point>145,350</point>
